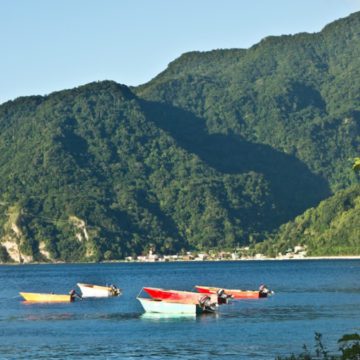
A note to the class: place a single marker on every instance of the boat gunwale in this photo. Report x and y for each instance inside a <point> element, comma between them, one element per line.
<point>31,297</point>
<point>96,287</point>
<point>214,288</point>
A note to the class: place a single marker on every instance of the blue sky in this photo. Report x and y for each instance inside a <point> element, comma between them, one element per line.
<point>50,45</point>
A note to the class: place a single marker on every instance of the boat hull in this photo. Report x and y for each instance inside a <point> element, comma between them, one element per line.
<point>169,307</point>
<point>88,290</point>
<point>235,294</point>
<point>186,297</point>
<point>48,298</point>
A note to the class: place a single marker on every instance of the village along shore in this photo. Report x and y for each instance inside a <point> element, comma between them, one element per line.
<point>298,253</point>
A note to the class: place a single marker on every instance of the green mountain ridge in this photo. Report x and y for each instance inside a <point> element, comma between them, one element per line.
<point>217,151</point>
<point>296,93</point>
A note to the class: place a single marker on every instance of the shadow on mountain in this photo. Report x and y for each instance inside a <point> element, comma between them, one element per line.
<point>294,187</point>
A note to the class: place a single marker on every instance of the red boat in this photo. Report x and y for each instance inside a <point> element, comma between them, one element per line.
<point>185,297</point>
<point>236,294</point>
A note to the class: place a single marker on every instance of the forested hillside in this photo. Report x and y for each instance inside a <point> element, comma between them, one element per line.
<point>298,94</point>
<point>332,228</point>
<point>217,151</point>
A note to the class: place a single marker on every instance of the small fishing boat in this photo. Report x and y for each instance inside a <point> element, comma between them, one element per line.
<point>175,307</point>
<point>89,290</point>
<point>177,295</point>
<point>50,298</point>
<point>236,294</point>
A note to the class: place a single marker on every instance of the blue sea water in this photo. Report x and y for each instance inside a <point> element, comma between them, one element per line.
<point>310,296</point>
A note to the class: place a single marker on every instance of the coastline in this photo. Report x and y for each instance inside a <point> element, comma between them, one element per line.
<point>341,257</point>
<point>307,258</point>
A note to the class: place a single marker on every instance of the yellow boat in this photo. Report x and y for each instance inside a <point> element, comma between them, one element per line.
<point>37,297</point>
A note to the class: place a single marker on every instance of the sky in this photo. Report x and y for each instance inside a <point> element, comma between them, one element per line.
<point>51,45</point>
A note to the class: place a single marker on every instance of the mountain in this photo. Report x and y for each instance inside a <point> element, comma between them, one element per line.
<point>217,151</point>
<point>298,94</point>
<point>97,173</point>
<point>332,228</point>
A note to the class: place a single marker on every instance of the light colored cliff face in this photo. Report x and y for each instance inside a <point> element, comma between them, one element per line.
<point>11,242</point>
<point>12,249</point>
<point>43,251</point>
<point>15,241</point>
<point>82,235</point>
<point>14,237</point>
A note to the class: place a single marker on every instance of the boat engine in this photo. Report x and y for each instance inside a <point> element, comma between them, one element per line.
<point>74,295</point>
<point>206,304</point>
<point>223,298</point>
<point>115,291</point>
<point>265,291</point>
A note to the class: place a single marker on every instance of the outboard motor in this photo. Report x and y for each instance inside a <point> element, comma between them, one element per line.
<point>223,298</point>
<point>73,294</point>
<point>206,304</point>
<point>264,291</point>
<point>114,290</point>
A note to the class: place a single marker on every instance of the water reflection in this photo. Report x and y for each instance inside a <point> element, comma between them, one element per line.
<point>38,303</point>
<point>167,317</point>
<point>118,316</point>
<point>73,317</point>
<point>110,317</point>
<point>178,317</point>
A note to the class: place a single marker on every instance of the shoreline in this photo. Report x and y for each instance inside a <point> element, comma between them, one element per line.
<point>307,258</point>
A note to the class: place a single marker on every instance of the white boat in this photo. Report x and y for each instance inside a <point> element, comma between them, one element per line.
<point>172,307</point>
<point>89,290</point>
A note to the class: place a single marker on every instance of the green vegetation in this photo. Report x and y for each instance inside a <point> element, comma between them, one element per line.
<point>349,348</point>
<point>332,228</point>
<point>93,176</point>
<point>217,151</point>
<point>298,94</point>
<point>356,165</point>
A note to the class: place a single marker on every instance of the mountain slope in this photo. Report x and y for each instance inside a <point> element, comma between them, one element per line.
<point>299,94</point>
<point>332,228</point>
<point>94,173</point>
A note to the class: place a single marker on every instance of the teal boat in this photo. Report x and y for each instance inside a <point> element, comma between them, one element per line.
<point>173,307</point>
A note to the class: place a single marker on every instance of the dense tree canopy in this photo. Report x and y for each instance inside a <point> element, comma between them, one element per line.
<point>332,228</point>
<point>298,94</point>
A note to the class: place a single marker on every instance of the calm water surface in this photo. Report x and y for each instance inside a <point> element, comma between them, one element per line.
<point>311,296</point>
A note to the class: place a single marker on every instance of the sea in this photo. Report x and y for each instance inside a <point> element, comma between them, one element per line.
<point>311,296</point>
